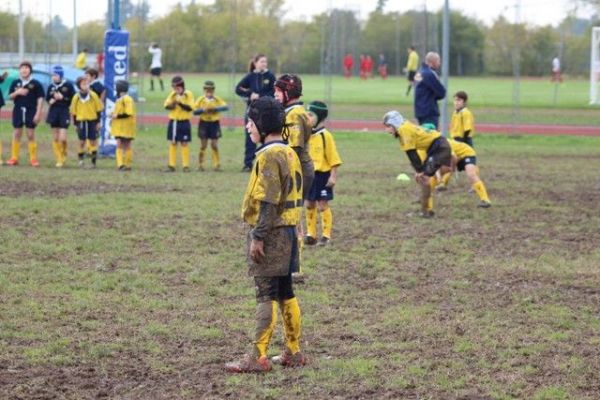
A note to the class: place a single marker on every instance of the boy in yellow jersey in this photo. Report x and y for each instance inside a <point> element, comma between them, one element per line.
<point>464,158</point>
<point>86,108</point>
<point>180,103</point>
<point>123,125</point>
<point>324,154</point>
<point>412,139</point>
<point>462,125</point>
<point>209,107</point>
<point>272,207</point>
<point>412,65</point>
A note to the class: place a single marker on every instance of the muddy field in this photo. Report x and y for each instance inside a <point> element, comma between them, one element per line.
<point>133,286</point>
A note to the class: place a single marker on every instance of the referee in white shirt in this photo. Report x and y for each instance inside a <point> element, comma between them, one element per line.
<point>156,66</point>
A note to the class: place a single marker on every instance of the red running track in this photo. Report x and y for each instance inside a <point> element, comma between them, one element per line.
<point>376,126</point>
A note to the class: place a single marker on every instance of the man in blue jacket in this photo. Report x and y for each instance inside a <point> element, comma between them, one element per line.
<point>428,91</point>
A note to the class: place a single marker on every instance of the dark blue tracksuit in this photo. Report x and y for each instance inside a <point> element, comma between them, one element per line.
<point>261,83</point>
<point>427,93</point>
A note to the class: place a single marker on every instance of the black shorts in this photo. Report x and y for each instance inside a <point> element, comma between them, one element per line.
<point>59,117</point>
<point>465,161</point>
<point>411,76</point>
<point>86,130</point>
<point>465,139</point>
<point>273,288</point>
<point>155,71</point>
<point>318,189</point>
<point>124,138</point>
<point>438,154</point>
<point>209,129</point>
<point>179,131</point>
<point>23,116</point>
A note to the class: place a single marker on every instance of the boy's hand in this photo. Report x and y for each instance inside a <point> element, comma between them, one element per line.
<point>257,252</point>
<point>330,181</point>
<point>254,96</point>
<point>58,96</point>
<point>421,178</point>
<point>37,118</point>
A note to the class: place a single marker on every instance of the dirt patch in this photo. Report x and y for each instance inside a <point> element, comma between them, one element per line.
<point>41,189</point>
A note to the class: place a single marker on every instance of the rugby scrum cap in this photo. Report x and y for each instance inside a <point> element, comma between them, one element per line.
<point>122,86</point>
<point>58,70</point>
<point>79,80</point>
<point>319,109</point>
<point>267,114</point>
<point>209,85</point>
<point>393,118</point>
<point>290,84</point>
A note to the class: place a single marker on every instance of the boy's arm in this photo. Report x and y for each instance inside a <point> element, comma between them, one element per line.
<point>415,160</point>
<point>170,102</point>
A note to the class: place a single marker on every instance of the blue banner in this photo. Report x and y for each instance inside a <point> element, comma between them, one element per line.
<point>116,67</point>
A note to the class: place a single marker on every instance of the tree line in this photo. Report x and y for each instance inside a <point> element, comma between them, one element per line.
<point>222,37</point>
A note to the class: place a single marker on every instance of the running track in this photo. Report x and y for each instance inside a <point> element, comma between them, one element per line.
<point>376,126</point>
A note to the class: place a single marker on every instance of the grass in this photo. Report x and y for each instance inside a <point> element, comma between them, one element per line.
<point>133,285</point>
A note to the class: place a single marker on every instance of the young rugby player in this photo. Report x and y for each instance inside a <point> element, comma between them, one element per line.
<point>2,78</point>
<point>412,139</point>
<point>272,207</point>
<point>462,125</point>
<point>324,154</point>
<point>27,95</point>
<point>59,95</point>
<point>209,108</point>
<point>123,126</point>
<point>95,84</point>
<point>180,103</point>
<point>86,109</point>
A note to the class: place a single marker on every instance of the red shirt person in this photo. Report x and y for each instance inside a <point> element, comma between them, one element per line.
<point>363,67</point>
<point>348,64</point>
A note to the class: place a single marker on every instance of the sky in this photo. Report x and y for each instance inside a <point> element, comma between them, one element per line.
<point>534,12</point>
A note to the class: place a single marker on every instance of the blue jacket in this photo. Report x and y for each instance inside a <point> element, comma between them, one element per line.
<point>262,83</point>
<point>427,93</point>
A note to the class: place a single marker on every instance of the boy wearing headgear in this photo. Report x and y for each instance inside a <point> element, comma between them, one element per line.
<point>59,95</point>
<point>326,159</point>
<point>123,125</point>
<point>209,107</point>
<point>413,139</point>
<point>28,95</point>
<point>86,109</point>
<point>271,207</point>
<point>180,103</point>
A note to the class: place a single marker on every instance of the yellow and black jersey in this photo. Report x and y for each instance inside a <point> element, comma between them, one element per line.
<point>209,104</point>
<point>413,61</point>
<point>179,113</point>
<point>277,179</point>
<point>413,137</point>
<point>462,121</point>
<point>461,150</point>
<point>298,136</point>
<point>323,150</point>
<point>86,107</point>
<point>124,127</point>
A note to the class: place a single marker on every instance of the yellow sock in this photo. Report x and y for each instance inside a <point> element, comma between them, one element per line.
<point>64,151</point>
<point>215,158</point>
<point>446,178</point>
<point>327,222</point>
<point>311,222</point>
<point>479,188</point>
<point>172,155</point>
<point>92,148</point>
<point>292,324</point>
<point>266,317</point>
<point>433,182</point>
<point>128,157</point>
<point>201,157</point>
<point>15,149</point>
<point>185,156</point>
<point>57,149</point>
<point>119,157</point>
<point>32,150</point>
<point>1,161</point>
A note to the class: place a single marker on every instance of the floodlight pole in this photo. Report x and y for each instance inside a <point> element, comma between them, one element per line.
<point>75,50</point>
<point>445,64</point>
<point>21,32</point>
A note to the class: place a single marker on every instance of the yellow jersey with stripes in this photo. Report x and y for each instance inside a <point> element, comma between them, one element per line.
<point>276,178</point>
<point>86,107</point>
<point>413,137</point>
<point>323,150</point>
<point>208,103</point>
<point>461,122</point>
<point>178,113</point>
<point>124,127</point>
